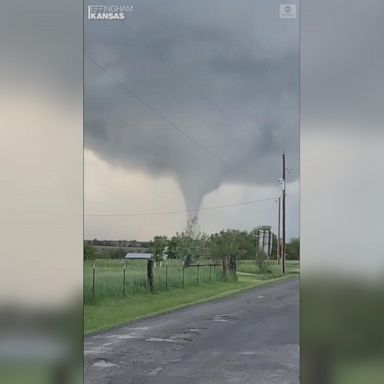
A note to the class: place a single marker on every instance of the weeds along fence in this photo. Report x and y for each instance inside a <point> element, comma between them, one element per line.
<point>113,278</point>
<point>271,267</point>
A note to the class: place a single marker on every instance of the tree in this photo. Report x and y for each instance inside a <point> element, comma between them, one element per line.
<point>172,248</point>
<point>117,253</point>
<point>224,243</point>
<point>160,244</point>
<point>232,242</point>
<point>89,252</point>
<point>293,249</point>
<point>191,244</point>
<point>261,261</point>
<point>228,246</point>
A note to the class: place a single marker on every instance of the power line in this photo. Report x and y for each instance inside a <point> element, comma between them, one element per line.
<point>156,112</point>
<point>183,211</point>
<point>185,80</point>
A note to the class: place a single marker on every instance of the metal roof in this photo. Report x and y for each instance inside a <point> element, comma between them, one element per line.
<point>138,256</point>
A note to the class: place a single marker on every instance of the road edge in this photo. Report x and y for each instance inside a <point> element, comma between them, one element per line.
<point>218,296</point>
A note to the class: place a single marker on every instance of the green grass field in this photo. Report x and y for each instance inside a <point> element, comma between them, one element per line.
<point>249,266</point>
<point>109,278</point>
<point>111,308</point>
<point>110,312</point>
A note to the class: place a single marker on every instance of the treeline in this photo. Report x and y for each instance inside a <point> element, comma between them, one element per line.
<point>192,245</point>
<point>119,243</point>
<point>293,249</point>
<point>92,253</point>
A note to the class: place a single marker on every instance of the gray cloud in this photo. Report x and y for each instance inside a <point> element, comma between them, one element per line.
<point>41,46</point>
<point>241,57</point>
<point>342,71</point>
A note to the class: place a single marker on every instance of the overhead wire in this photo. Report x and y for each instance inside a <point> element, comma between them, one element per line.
<point>183,211</point>
<point>180,76</point>
<point>156,112</point>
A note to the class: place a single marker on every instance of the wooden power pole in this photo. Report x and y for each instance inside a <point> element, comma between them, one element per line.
<point>278,253</point>
<point>283,221</point>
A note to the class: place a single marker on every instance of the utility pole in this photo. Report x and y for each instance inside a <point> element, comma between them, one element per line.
<point>269,244</point>
<point>283,221</point>
<point>257,243</point>
<point>263,246</point>
<point>278,253</point>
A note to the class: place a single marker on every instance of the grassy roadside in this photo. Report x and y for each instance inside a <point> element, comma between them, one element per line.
<point>112,312</point>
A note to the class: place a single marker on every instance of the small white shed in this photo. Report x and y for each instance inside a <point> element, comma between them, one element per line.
<point>138,256</point>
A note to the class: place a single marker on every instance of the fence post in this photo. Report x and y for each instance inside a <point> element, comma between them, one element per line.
<point>150,274</point>
<point>166,276</point>
<point>232,266</point>
<point>124,281</point>
<point>93,281</point>
<point>183,276</point>
<point>197,274</point>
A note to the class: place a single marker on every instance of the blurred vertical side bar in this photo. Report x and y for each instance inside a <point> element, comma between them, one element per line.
<point>342,183</point>
<point>41,165</point>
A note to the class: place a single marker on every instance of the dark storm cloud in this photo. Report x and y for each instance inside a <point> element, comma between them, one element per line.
<point>240,101</point>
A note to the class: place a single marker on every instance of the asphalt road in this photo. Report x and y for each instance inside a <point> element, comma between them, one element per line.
<point>252,337</point>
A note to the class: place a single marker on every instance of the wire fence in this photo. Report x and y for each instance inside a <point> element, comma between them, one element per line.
<point>113,278</point>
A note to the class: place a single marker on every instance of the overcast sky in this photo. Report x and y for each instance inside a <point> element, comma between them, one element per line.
<point>190,105</point>
<point>342,136</point>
